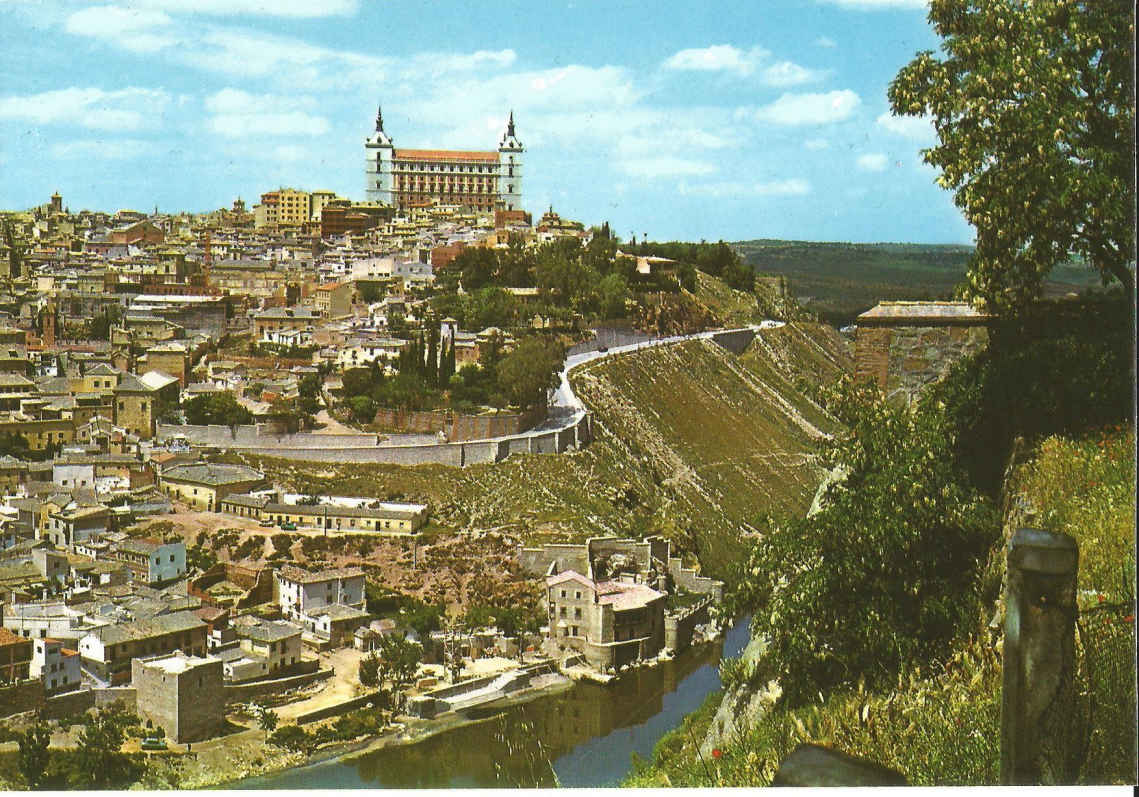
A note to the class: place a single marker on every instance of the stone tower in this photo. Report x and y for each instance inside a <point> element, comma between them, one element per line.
<point>378,150</point>
<point>510,168</point>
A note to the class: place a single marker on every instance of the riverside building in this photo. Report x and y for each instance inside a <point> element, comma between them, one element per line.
<point>480,181</point>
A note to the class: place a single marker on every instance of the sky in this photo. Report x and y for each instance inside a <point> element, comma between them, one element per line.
<point>710,120</point>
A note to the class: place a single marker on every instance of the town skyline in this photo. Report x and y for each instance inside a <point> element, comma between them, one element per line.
<point>695,131</point>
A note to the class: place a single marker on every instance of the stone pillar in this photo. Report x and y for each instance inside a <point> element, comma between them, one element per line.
<point>1040,726</point>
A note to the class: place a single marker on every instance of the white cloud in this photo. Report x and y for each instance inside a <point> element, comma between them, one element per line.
<point>810,109</point>
<point>269,8</point>
<point>825,41</point>
<point>915,127</point>
<point>137,30</point>
<point>665,166</point>
<point>794,186</point>
<point>872,162</point>
<point>786,73</point>
<point>743,63</point>
<point>239,114</point>
<point>718,58</point>
<point>816,144</point>
<point>879,5</point>
<point>124,109</point>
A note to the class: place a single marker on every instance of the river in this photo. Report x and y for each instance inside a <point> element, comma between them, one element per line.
<point>584,736</point>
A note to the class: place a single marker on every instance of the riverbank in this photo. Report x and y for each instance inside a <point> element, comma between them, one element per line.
<point>248,768</point>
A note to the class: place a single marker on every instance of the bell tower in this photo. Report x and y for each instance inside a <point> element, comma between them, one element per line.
<point>378,151</point>
<point>510,168</point>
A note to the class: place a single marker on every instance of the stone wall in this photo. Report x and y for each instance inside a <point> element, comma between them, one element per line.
<point>72,704</point>
<point>904,359</point>
<point>340,708</point>
<point>459,427</point>
<point>692,581</point>
<point>678,629</point>
<point>332,448</point>
<point>242,693</point>
<point>735,341</point>
<point>21,697</point>
<point>569,556</point>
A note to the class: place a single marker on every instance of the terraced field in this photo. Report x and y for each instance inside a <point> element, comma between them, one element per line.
<point>692,442</point>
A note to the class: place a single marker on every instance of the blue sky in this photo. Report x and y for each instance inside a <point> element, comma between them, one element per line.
<point>691,120</point>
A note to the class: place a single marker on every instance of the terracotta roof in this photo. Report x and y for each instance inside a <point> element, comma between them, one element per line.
<point>8,638</point>
<point>626,596</point>
<point>444,155</point>
<point>569,575</point>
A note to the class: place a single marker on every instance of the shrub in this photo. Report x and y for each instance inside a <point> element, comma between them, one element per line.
<point>886,572</point>
<point>291,737</point>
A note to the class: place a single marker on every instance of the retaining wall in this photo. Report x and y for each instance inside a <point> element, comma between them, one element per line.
<point>327,448</point>
<point>241,693</point>
<point>340,708</point>
<point>459,427</point>
<point>21,697</point>
<point>735,341</point>
<point>72,704</point>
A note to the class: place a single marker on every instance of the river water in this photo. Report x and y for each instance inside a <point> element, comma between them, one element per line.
<point>584,736</point>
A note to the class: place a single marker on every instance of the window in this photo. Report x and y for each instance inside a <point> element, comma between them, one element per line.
<point>577,614</point>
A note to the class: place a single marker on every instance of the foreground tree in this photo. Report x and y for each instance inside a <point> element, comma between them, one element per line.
<point>1032,102</point>
<point>34,754</point>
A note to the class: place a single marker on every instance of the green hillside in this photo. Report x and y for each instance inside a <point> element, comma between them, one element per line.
<point>840,280</point>
<point>692,442</point>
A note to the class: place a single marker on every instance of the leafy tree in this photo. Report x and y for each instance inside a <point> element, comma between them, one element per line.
<point>357,381</point>
<point>310,385</point>
<point>424,618</point>
<point>219,408</point>
<point>99,328</point>
<point>34,755</point>
<point>363,408</point>
<point>477,265</point>
<point>399,661</point>
<point>14,445</point>
<point>1034,111</point>
<point>267,719</point>
<point>886,572</point>
<point>491,307</point>
<point>98,762</point>
<point>526,373</point>
<point>369,672</point>
<point>612,292</point>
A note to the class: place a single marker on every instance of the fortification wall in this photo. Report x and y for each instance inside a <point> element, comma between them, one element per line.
<point>678,629</point>
<point>569,556</point>
<point>690,580</point>
<point>904,360</point>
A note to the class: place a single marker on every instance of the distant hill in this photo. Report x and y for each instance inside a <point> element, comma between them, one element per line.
<point>840,280</point>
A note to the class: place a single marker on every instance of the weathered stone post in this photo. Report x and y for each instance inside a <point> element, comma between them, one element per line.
<point>1039,726</point>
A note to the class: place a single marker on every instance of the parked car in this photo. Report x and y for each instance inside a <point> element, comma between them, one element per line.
<point>288,527</point>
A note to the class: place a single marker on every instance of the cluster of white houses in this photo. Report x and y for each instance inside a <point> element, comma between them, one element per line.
<point>242,491</point>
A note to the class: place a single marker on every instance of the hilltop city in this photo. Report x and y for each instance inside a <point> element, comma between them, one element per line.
<point>147,563</point>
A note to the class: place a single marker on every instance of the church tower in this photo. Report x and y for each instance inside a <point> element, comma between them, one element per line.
<point>378,152</point>
<point>510,168</point>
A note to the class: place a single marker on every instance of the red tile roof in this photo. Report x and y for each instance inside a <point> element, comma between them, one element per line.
<point>444,155</point>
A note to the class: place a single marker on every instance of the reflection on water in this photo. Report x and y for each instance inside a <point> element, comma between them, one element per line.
<point>585,735</point>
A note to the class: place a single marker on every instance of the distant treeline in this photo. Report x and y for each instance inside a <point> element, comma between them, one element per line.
<point>840,280</point>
